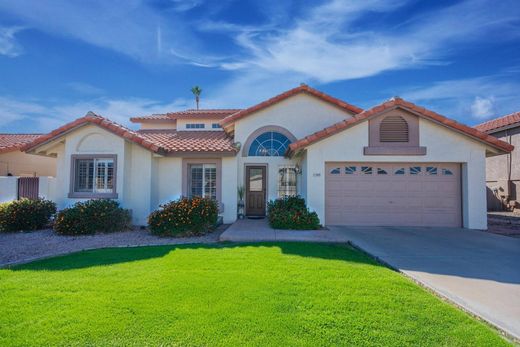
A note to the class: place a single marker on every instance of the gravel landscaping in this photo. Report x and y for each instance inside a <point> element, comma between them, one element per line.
<point>17,248</point>
<point>504,223</point>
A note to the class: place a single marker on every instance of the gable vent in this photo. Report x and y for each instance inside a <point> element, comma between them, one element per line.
<point>393,129</point>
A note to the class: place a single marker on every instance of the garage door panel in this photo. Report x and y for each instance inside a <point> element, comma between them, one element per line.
<point>430,197</point>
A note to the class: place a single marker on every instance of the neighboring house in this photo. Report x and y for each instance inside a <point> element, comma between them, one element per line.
<point>17,163</point>
<point>395,164</point>
<point>503,172</point>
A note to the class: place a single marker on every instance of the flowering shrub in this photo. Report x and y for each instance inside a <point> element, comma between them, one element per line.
<point>291,213</point>
<point>92,216</point>
<point>26,214</point>
<point>185,216</point>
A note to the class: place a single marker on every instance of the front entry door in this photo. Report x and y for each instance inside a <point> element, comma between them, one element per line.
<point>255,190</point>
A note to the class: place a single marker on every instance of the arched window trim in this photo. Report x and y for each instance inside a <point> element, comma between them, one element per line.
<point>269,128</point>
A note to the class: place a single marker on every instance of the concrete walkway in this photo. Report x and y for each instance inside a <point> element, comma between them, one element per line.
<point>255,230</point>
<point>476,270</point>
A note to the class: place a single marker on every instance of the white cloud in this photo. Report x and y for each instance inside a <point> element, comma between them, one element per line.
<point>469,99</point>
<point>8,45</point>
<point>483,107</point>
<point>186,5</point>
<point>84,88</point>
<point>12,109</point>
<point>128,27</point>
<point>35,116</point>
<point>329,43</point>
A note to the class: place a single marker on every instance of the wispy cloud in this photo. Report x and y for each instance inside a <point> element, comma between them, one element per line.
<point>128,27</point>
<point>329,43</point>
<point>8,44</point>
<point>85,88</point>
<point>186,5</point>
<point>469,99</point>
<point>45,117</point>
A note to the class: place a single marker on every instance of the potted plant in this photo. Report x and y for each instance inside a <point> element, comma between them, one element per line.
<point>241,204</point>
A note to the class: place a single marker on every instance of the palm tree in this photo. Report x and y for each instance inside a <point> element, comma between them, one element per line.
<point>196,91</point>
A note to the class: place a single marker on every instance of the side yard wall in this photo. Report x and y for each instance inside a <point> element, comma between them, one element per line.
<point>501,168</point>
<point>22,164</point>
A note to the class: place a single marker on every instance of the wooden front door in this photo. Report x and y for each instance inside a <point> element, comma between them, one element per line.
<point>255,190</point>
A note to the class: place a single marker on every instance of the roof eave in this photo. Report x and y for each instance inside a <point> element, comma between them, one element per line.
<point>393,104</point>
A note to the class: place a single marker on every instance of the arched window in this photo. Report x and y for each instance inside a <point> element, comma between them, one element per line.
<point>269,144</point>
<point>393,129</point>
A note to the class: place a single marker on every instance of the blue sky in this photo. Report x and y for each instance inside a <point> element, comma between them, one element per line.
<point>122,58</point>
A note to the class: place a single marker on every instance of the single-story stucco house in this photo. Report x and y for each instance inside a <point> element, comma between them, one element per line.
<point>395,164</point>
<point>14,162</point>
<point>503,172</point>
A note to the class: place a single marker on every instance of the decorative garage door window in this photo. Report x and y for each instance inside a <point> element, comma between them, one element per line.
<point>350,170</point>
<point>286,181</point>
<point>415,170</point>
<point>398,171</point>
<point>367,170</point>
<point>269,144</point>
<point>431,170</point>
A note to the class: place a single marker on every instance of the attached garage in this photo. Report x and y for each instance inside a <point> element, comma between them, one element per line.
<point>393,194</point>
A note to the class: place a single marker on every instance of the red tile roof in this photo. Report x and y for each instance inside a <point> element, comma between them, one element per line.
<point>92,118</point>
<point>13,142</point>
<point>191,141</point>
<point>196,114</point>
<point>398,102</point>
<point>158,141</point>
<point>501,122</point>
<point>301,89</point>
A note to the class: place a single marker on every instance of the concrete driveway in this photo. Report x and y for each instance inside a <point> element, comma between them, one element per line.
<point>476,270</point>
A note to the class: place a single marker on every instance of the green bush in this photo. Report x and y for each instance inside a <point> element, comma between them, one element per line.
<point>291,213</point>
<point>92,216</point>
<point>26,214</point>
<point>185,216</point>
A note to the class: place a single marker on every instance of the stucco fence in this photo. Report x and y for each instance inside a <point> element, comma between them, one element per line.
<point>9,188</point>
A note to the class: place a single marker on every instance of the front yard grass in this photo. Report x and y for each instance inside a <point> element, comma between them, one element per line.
<point>229,295</point>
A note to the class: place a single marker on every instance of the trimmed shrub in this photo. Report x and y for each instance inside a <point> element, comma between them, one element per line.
<point>291,213</point>
<point>89,217</point>
<point>183,217</point>
<point>26,214</point>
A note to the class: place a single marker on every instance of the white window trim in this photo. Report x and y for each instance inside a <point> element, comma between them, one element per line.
<point>282,193</point>
<point>95,193</point>
<point>204,180</point>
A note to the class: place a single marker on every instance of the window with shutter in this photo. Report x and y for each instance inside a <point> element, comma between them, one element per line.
<point>93,176</point>
<point>393,129</point>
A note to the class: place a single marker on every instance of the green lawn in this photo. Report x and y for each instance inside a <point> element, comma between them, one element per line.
<point>229,295</point>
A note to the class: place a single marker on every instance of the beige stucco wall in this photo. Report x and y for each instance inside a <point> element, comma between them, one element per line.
<point>443,145</point>
<point>301,115</point>
<point>169,125</point>
<point>208,124</point>
<point>22,164</point>
<point>497,171</point>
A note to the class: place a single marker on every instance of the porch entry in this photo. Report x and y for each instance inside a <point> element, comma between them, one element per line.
<point>255,190</point>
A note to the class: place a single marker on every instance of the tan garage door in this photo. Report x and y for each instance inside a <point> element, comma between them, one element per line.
<point>396,194</point>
